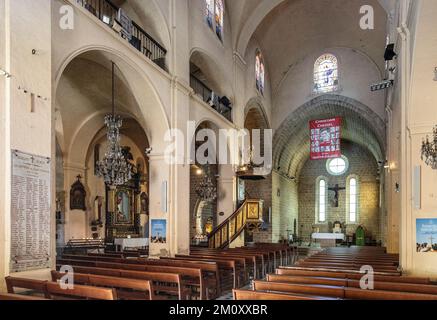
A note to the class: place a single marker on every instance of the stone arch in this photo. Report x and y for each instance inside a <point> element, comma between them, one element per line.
<point>256,108</point>
<point>212,70</point>
<point>147,96</point>
<point>362,126</point>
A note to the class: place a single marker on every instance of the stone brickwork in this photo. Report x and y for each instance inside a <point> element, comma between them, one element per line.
<point>364,166</point>
<point>285,206</point>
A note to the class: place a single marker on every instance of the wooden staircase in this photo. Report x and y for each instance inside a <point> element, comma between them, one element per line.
<point>250,214</point>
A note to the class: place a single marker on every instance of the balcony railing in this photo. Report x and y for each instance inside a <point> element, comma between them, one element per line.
<point>219,104</point>
<point>107,12</point>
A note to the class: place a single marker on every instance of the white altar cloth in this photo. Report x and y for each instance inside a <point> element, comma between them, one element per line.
<point>328,236</point>
<point>131,243</point>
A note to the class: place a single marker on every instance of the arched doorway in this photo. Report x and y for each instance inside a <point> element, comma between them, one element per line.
<point>83,98</point>
<point>255,119</point>
<point>319,193</point>
<point>203,175</point>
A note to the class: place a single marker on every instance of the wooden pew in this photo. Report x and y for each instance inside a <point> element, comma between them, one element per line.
<point>257,265</point>
<point>327,271</point>
<point>306,289</point>
<point>192,277</point>
<point>19,297</point>
<point>52,290</point>
<point>256,295</point>
<point>80,292</point>
<point>235,267</point>
<point>345,279</point>
<point>307,280</point>
<point>260,260</point>
<point>34,286</point>
<point>339,292</point>
<point>353,293</point>
<point>127,289</point>
<point>163,283</point>
<point>209,270</point>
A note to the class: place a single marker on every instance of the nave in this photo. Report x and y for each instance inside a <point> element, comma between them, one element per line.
<point>216,150</point>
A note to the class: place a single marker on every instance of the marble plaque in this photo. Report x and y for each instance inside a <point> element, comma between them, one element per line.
<point>30,212</point>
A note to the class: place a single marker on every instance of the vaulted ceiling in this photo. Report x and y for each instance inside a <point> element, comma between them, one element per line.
<point>293,29</point>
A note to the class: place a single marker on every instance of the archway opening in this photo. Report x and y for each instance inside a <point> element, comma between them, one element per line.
<point>83,98</point>
<point>297,195</point>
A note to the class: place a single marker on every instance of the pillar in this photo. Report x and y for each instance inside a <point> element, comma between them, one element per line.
<point>26,106</point>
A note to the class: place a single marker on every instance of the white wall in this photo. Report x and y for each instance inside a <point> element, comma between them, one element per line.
<point>19,19</point>
<point>420,117</point>
<point>356,73</point>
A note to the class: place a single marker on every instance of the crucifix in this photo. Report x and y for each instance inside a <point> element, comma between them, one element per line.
<point>336,189</point>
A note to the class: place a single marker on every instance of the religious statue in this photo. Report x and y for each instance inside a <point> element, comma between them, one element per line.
<point>336,190</point>
<point>122,207</point>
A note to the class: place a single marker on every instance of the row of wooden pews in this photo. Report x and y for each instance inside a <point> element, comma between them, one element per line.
<point>203,275</point>
<point>335,274</point>
<point>48,290</point>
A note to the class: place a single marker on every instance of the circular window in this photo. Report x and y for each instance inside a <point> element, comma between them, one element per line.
<point>337,166</point>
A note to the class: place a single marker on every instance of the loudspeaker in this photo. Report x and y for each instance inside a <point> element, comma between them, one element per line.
<point>389,52</point>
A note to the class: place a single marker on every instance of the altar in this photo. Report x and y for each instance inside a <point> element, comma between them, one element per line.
<point>328,240</point>
<point>131,243</point>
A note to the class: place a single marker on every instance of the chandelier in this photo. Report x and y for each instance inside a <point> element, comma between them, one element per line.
<point>248,170</point>
<point>114,168</point>
<point>429,150</point>
<point>206,189</point>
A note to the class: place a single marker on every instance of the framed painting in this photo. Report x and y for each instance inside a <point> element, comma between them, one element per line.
<point>121,204</point>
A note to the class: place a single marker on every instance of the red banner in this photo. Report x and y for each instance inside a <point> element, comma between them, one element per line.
<point>325,139</point>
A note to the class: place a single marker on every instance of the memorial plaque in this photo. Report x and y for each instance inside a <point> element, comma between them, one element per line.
<point>30,212</point>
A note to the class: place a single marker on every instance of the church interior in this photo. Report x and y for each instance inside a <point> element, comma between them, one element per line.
<point>218,149</point>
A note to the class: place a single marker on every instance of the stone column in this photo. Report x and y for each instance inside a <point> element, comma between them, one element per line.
<point>159,173</point>
<point>227,192</point>
<point>240,87</point>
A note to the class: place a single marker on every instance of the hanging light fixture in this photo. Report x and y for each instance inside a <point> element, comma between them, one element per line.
<point>206,189</point>
<point>429,150</point>
<point>114,168</point>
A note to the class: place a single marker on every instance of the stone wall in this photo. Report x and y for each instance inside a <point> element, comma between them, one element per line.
<point>285,206</point>
<point>364,166</point>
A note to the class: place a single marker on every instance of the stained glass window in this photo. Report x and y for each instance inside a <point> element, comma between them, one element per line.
<point>209,12</point>
<point>326,74</point>
<point>219,12</point>
<point>259,72</point>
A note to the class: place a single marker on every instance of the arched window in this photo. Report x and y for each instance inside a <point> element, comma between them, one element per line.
<point>259,72</point>
<point>321,199</point>
<point>209,13</point>
<point>352,199</point>
<point>214,15</point>
<point>219,18</point>
<point>326,74</point>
